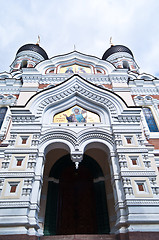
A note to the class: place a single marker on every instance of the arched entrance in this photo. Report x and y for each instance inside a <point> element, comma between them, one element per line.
<point>76,199</point>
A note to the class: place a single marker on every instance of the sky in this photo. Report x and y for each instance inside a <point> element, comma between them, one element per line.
<point>87,24</point>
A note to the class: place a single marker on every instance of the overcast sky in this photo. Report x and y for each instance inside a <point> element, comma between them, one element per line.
<point>88,24</point>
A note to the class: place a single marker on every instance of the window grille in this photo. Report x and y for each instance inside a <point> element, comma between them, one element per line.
<point>150,120</point>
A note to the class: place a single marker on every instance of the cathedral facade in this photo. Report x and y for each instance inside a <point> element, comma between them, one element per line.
<point>79,147</point>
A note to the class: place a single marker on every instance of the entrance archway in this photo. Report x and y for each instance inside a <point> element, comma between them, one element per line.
<point>76,199</point>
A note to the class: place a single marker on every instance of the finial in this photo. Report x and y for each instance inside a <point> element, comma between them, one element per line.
<point>111,43</point>
<point>76,164</point>
<point>74,47</point>
<point>38,42</point>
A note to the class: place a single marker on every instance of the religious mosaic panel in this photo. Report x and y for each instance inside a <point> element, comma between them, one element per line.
<point>75,69</point>
<point>76,114</point>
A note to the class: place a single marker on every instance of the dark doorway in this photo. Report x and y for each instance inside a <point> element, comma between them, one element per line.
<point>76,208</point>
<point>76,203</point>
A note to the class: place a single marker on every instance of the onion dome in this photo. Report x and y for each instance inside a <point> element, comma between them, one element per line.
<point>34,48</point>
<point>116,49</point>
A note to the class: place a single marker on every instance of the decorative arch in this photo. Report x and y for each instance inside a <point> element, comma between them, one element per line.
<point>74,91</point>
<point>75,58</point>
<point>76,142</point>
<point>93,211</point>
<point>82,143</point>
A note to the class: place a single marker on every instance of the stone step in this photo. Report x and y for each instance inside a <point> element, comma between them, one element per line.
<point>79,237</point>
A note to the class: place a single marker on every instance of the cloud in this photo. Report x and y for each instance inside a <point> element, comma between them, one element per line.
<point>87,24</point>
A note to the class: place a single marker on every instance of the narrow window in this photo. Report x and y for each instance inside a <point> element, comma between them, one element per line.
<point>24,140</point>
<point>98,71</point>
<point>3,111</point>
<point>24,64</point>
<point>51,71</point>
<point>13,188</point>
<point>19,162</point>
<point>141,187</point>
<point>129,140</point>
<point>126,65</point>
<point>134,160</point>
<point>150,119</point>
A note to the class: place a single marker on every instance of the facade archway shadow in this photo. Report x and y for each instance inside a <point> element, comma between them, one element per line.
<point>76,199</point>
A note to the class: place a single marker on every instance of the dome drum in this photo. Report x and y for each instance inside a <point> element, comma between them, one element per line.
<point>28,56</point>
<point>121,57</point>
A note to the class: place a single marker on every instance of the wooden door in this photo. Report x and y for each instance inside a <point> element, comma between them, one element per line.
<point>76,203</point>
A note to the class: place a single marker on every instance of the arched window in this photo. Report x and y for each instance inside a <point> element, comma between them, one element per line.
<point>126,65</point>
<point>24,64</point>
<point>3,111</point>
<point>150,120</point>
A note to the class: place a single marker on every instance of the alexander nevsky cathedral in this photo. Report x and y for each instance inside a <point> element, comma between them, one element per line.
<point>79,147</point>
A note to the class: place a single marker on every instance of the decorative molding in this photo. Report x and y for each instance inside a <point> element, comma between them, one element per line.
<point>144,90</point>
<point>126,118</point>
<point>76,139</point>
<point>18,150</point>
<point>1,184</point>
<point>57,79</point>
<point>27,187</point>
<point>23,118</point>
<point>32,161</point>
<point>12,204</point>
<point>76,157</point>
<point>16,174</point>
<point>131,150</point>
<point>127,186</point>
<point>152,202</point>
<point>122,161</point>
<point>146,101</point>
<point>138,173</point>
<point>59,135</point>
<point>118,78</point>
<point>77,89</point>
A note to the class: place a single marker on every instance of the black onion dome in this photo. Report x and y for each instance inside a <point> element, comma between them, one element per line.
<point>34,48</point>
<point>116,49</point>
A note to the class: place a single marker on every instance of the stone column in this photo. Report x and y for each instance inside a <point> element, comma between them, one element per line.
<point>35,196</point>
<point>118,193</point>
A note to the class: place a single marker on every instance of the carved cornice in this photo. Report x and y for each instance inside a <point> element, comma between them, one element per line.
<point>129,119</point>
<point>56,79</point>
<point>16,174</point>
<point>144,91</point>
<point>124,150</point>
<point>13,150</point>
<point>142,202</point>
<point>23,118</point>
<point>137,173</point>
<point>14,204</point>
